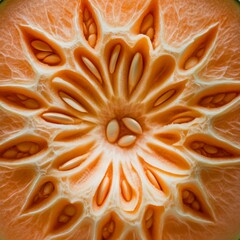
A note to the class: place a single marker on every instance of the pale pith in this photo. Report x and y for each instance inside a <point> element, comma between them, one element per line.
<point>147,129</point>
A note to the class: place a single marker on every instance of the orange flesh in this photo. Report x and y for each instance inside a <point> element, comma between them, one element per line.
<point>119,120</point>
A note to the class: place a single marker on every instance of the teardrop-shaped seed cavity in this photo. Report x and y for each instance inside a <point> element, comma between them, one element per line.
<point>146,23</point>
<point>44,192</point>
<point>194,202</point>
<point>126,190</point>
<point>90,29</point>
<point>72,102</point>
<point>212,151</point>
<point>92,68</point>
<point>135,71</point>
<point>127,140</point>
<point>43,50</point>
<point>58,118</point>
<point>112,131</point>
<point>52,59</point>
<point>41,46</point>
<point>153,179</point>
<point>132,125</point>
<point>164,97</point>
<point>64,215</point>
<point>198,49</point>
<point>41,195</point>
<point>114,58</point>
<point>103,190</point>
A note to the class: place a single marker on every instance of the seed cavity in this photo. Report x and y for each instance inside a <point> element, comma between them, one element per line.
<point>147,26</point>
<point>21,150</point>
<point>126,190</point>
<point>45,191</point>
<point>218,100</point>
<point>208,150</point>
<point>108,229</point>
<point>114,58</point>
<point>127,140</point>
<point>45,53</point>
<point>72,102</point>
<point>92,68</point>
<point>135,71</point>
<point>89,28</point>
<point>132,125</point>
<point>58,118</point>
<point>165,97</point>
<point>103,190</point>
<point>198,49</point>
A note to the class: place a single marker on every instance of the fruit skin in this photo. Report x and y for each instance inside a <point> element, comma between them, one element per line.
<point>219,181</point>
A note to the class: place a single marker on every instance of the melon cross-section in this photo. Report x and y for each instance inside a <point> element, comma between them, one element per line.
<point>120,120</point>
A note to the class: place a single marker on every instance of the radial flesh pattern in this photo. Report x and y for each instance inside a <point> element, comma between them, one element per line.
<point>120,120</point>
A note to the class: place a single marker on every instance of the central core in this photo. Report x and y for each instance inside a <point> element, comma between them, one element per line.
<point>123,131</point>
